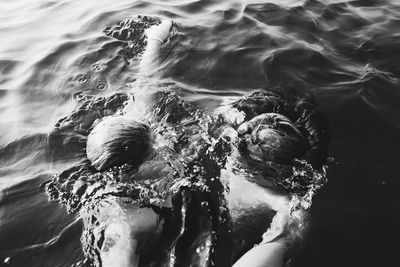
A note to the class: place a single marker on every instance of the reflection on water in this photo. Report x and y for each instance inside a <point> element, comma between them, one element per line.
<point>346,53</point>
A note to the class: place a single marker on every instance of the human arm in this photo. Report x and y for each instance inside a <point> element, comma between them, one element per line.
<point>156,37</point>
<point>277,242</point>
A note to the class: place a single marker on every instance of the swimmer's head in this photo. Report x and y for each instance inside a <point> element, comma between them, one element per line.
<point>271,137</point>
<point>118,140</point>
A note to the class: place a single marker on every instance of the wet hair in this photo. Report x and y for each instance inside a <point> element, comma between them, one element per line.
<point>271,137</point>
<point>308,134</point>
<point>118,140</point>
<point>68,138</point>
<point>261,102</point>
<point>314,126</point>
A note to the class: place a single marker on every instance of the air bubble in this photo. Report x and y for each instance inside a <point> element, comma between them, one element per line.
<point>97,67</point>
<point>84,78</point>
<point>101,86</point>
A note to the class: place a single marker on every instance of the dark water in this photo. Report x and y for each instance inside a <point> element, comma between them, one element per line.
<point>346,54</point>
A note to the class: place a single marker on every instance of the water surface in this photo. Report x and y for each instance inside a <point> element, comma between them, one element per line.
<point>345,53</point>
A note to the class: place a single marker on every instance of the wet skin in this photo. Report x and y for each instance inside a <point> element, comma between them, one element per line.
<point>141,229</point>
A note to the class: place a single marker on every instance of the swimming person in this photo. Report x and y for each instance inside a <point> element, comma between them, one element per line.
<point>269,136</point>
<point>176,186</point>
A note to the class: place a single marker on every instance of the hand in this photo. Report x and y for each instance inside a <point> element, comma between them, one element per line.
<point>159,32</point>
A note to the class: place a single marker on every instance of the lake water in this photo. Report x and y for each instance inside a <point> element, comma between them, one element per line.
<point>345,53</point>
